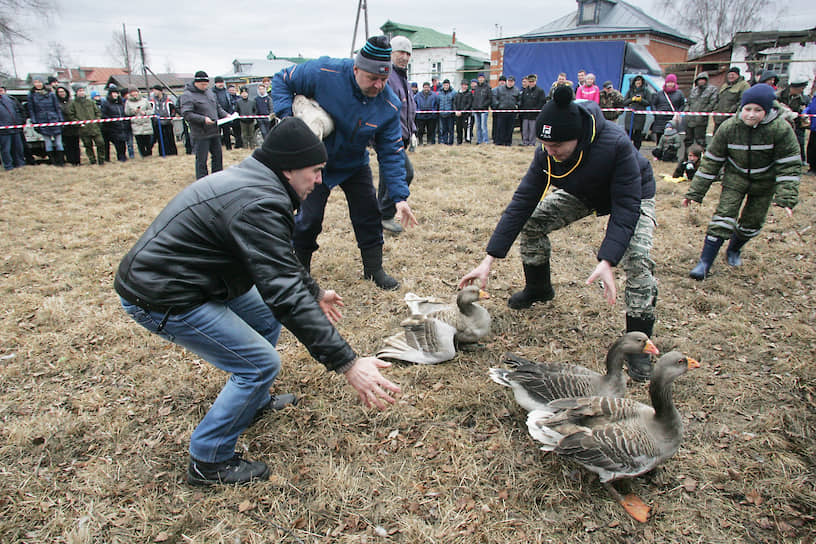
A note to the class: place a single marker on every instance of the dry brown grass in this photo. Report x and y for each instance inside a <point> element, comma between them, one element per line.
<point>95,413</point>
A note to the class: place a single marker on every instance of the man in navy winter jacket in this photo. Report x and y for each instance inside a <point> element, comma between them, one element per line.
<point>354,93</point>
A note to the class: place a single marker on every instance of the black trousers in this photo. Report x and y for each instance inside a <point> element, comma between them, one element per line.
<point>464,128</point>
<point>226,131</point>
<point>144,142</point>
<point>811,150</point>
<point>387,207</point>
<point>503,133</point>
<point>168,140</point>
<point>429,126</point>
<point>204,146</point>
<point>236,132</point>
<point>70,143</point>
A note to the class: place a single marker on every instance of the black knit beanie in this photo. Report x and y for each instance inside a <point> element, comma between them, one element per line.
<point>559,120</point>
<point>760,94</point>
<point>291,145</point>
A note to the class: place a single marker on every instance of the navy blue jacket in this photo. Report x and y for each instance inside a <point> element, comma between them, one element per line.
<point>612,178</point>
<point>10,114</point>
<point>263,105</point>
<point>43,107</point>
<point>426,102</point>
<point>224,99</point>
<point>446,101</point>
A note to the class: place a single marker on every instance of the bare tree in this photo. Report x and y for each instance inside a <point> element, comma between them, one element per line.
<point>714,22</point>
<point>124,51</point>
<point>57,56</point>
<point>13,12</point>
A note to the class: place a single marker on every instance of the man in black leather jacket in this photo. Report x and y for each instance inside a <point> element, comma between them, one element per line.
<point>215,273</point>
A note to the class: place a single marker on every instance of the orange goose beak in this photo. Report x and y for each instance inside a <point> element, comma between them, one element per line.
<point>651,348</point>
<point>692,363</point>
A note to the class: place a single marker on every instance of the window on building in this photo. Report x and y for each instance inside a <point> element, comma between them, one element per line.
<point>778,63</point>
<point>436,69</point>
<point>588,12</point>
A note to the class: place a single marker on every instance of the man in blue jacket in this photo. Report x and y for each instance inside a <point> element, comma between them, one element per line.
<point>594,169</point>
<point>354,93</point>
<point>11,139</point>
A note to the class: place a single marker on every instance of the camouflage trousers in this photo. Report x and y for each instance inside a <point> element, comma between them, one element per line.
<point>724,222</point>
<point>559,209</point>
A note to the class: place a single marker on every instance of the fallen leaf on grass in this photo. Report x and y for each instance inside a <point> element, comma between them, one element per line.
<point>753,497</point>
<point>764,523</point>
<point>246,506</point>
<point>162,537</point>
<point>690,485</point>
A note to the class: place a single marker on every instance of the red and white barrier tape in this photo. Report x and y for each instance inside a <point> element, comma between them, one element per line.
<point>111,119</point>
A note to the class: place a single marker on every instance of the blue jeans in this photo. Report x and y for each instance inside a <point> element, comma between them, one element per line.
<point>238,337</point>
<point>11,150</point>
<point>481,127</point>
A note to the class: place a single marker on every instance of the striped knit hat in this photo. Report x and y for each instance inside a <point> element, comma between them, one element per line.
<point>375,56</point>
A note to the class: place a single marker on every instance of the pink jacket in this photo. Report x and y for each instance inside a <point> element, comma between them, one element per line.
<point>589,93</point>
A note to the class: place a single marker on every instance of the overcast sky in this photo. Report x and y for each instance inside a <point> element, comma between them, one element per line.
<point>184,36</point>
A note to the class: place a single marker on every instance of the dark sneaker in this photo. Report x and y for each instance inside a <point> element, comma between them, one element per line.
<point>392,226</point>
<point>229,472</point>
<point>381,279</point>
<point>277,402</point>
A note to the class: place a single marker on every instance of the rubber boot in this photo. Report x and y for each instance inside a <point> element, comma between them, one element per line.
<point>305,258</point>
<point>538,287</point>
<point>732,252</point>
<point>710,249</point>
<point>60,157</point>
<point>373,269</point>
<point>52,157</point>
<point>639,365</point>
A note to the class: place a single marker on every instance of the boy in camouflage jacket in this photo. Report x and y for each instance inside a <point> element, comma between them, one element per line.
<point>759,155</point>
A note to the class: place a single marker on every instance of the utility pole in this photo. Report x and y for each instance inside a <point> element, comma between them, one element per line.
<point>144,64</point>
<point>127,54</point>
<point>362,5</point>
<point>13,60</point>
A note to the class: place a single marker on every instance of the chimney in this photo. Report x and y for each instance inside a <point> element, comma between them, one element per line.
<point>453,39</point>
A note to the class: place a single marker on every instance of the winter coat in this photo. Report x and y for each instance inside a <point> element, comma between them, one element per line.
<point>463,101</point>
<point>43,107</point>
<point>756,160</point>
<point>263,105</point>
<point>84,109</point>
<point>611,99</point>
<point>686,169</point>
<point>164,108</point>
<point>215,240</point>
<point>611,178</point>
<point>797,104</point>
<point>358,119</point>
<point>532,98</point>
<point>245,107</point>
<point>65,104</point>
<point>398,81</point>
<point>506,98</point>
<point>10,114</point>
<point>195,106</point>
<point>115,131</point>
<point>426,102</point>
<point>482,96</point>
<point>141,127</point>
<point>446,101</point>
<point>730,95</point>
<point>700,99</point>
<point>638,99</point>
<point>589,93</point>
<point>223,98</point>
<point>665,101</point>
<point>811,109</point>
<point>669,145</point>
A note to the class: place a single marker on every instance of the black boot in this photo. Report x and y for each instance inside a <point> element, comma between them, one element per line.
<point>710,249</point>
<point>373,269</point>
<point>52,157</point>
<point>639,365</point>
<point>60,157</point>
<point>305,258</point>
<point>732,252</point>
<point>538,287</point>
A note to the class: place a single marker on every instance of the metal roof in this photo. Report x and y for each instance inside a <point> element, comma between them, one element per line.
<point>615,17</point>
<point>425,38</point>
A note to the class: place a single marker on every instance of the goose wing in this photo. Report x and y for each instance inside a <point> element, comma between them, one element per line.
<point>422,340</point>
<point>514,360</point>
<point>425,305</point>
<point>545,386</point>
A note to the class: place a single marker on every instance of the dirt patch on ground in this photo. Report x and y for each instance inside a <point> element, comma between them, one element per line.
<point>95,413</point>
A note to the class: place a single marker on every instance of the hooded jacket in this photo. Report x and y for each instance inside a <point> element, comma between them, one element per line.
<point>141,126</point>
<point>116,131</point>
<point>65,105</point>
<point>757,160</point>
<point>215,240</point>
<point>700,99</point>
<point>195,106</point>
<point>358,120</point>
<point>666,101</point>
<point>639,99</point>
<point>610,177</point>
<point>43,107</point>
<point>84,109</point>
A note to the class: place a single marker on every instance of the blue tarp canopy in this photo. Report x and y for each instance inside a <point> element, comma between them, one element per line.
<point>547,60</point>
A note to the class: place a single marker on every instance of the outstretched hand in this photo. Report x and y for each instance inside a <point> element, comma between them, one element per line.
<point>371,386</point>
<point>405,215</point>
<point>331,303</point>
<point>604,273</point>
<point>479,274</point>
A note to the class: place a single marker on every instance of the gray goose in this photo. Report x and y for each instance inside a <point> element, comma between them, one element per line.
<point>435,328</point>
<point>535,384</point>
<point>617,438</point>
